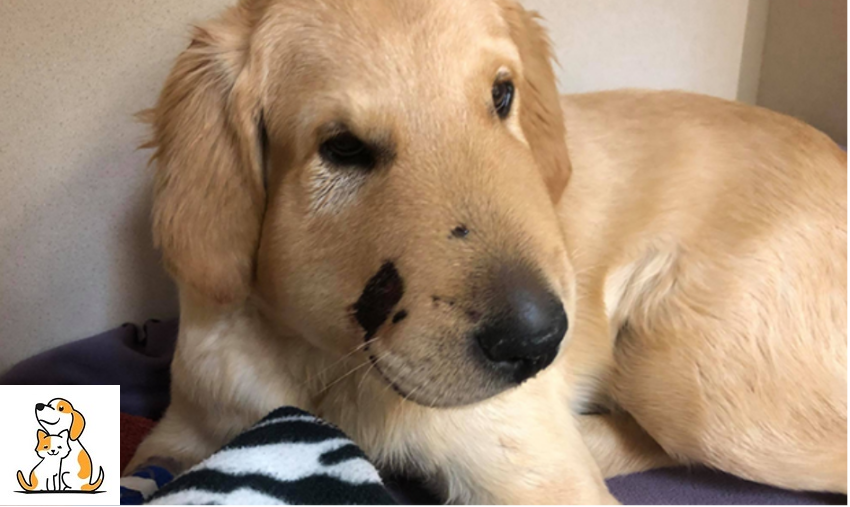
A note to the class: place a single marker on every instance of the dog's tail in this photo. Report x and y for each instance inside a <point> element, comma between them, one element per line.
<point>23,482</point>
<point>97,483</point>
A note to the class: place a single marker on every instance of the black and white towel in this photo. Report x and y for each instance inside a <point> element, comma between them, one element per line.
<point>289,457</point>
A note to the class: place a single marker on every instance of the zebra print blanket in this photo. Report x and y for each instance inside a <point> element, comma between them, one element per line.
<point>289,457</point>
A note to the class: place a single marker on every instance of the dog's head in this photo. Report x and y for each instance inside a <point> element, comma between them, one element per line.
<point>377,174</point>
<point>59,415</point>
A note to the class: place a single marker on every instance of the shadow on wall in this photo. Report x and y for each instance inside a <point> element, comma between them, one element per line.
<point>804,69</point>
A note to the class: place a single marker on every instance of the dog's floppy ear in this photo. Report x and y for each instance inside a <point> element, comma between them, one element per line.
<point>78,423</point>
<point>540,109</point>
<point>208,188</point>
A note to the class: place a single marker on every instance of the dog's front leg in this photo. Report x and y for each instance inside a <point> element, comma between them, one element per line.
<point>523,447</point>
<point>226,375</point>
<point>178,441</point>
<point>620,446</point>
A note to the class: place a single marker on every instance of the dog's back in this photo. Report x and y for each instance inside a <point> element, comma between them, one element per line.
<point>717,233</point>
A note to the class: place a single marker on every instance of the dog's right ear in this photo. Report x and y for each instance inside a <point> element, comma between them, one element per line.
<point>208,188</point>
<point>41,435</point>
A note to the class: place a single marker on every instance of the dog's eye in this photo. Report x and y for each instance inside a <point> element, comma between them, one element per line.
<point>345,149</point>
<point>45,447</point>
<point>61,409</point>
<point>503,98</point>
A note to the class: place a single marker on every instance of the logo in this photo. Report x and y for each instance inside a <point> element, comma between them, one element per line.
<point>60,445</point>
<point>65,464</point>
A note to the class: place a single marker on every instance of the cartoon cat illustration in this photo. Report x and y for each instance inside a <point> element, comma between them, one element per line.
<point>46,475</point>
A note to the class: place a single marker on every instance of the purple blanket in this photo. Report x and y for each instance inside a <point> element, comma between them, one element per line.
<point>138,359</point>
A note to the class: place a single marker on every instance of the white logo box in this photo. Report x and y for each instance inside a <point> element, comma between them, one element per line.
<point>101,408</point>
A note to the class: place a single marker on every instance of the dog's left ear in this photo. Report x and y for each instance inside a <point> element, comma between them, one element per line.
<point>77,425</point>
<point>540,108</point>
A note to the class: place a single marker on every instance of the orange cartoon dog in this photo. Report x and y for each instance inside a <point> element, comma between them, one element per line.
<point>59,415</point>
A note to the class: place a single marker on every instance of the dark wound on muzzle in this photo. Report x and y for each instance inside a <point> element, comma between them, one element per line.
<point>382,292</point>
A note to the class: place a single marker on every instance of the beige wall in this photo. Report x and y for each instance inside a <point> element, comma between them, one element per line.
<point>804,73</point>
<point>75,253</point>
<point>692,45</point>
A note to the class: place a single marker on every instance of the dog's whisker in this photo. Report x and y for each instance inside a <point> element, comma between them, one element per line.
<point>366,375</point>
<point>350,372</point>
<point>342,377</point>
<point>338,361</point>
<point>389,385</point>
<point>408,395</point>
<point>359,388</point>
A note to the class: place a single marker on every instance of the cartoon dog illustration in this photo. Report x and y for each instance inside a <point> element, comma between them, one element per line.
<point>59,415</point>
<point>45,476</point>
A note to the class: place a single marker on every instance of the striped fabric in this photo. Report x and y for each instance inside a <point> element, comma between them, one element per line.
<point>289,457</point>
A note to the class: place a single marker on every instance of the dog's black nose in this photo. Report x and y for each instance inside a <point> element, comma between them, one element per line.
<point>39,406</point>
<point>526,328</point>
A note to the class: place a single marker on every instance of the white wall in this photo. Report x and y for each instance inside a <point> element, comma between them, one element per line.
<point>75,253</point>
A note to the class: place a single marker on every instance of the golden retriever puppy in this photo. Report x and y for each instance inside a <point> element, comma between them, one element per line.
<point>382,212</point>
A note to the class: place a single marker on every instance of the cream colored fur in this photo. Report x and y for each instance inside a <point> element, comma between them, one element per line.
<point>698,246</point>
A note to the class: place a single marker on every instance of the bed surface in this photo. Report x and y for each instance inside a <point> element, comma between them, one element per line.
<point>138,358</point>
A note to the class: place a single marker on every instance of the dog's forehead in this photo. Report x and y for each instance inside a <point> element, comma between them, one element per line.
<point>54,401</point>
<point>338,59</point>
<point>363,19</point>
<point>383,41</point>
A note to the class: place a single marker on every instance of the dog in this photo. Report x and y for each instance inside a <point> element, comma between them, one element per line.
<point>59,415</point>
<point>383,212</point>
<point>47,474</point>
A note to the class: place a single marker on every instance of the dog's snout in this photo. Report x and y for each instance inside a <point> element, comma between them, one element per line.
<point>525,332</point>
<point>39,406</point>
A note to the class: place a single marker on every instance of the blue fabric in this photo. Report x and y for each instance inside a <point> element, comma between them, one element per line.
<point>131,497</point>
<point>158,474</point>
